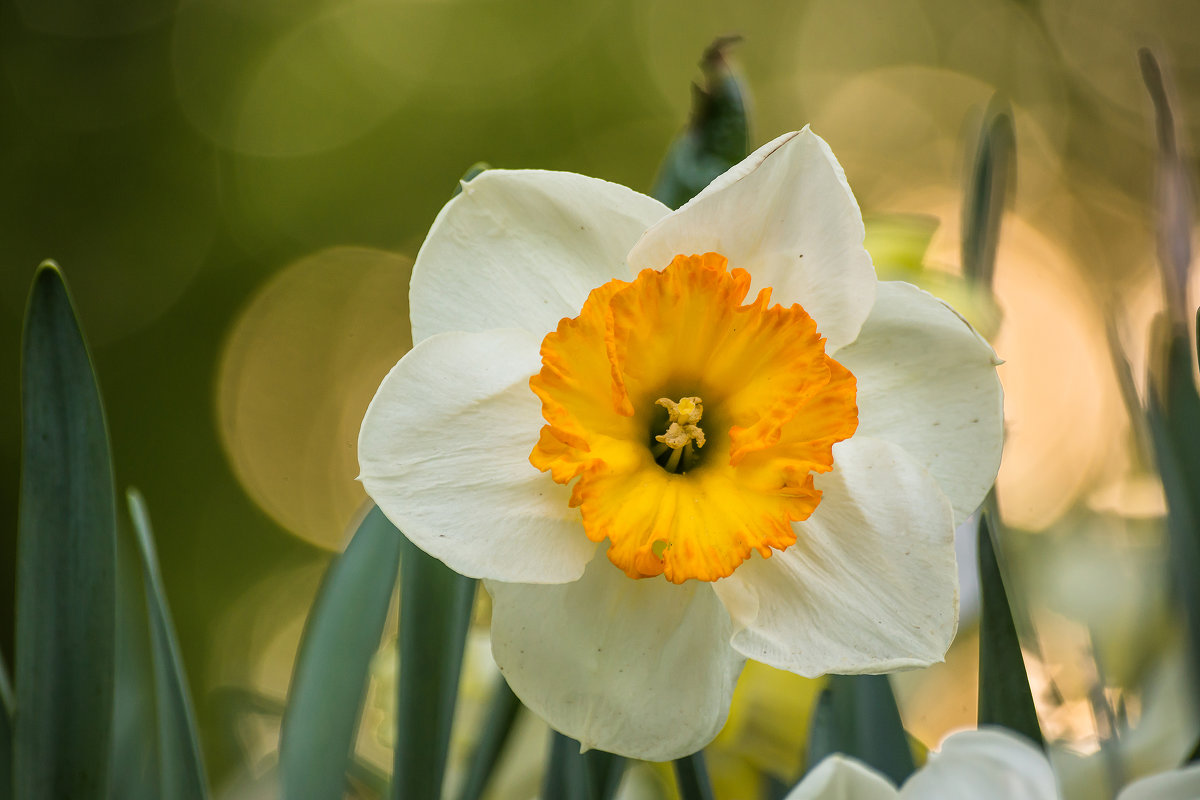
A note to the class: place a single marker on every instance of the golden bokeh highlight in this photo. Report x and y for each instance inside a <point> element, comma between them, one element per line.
<point>296,375</point>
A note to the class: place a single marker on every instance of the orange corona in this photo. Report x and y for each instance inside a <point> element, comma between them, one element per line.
<point>691,423</point>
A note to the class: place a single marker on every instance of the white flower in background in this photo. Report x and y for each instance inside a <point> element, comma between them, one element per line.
<point>656,480</point>
<point>984,764</point>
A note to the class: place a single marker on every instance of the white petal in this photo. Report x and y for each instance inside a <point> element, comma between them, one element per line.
<point>927,382</point>
<point>787,216</point>
<point>1176,784</point>
<point>444,451</point>
<point>522,249</point>
<point>985,764</point>
<point>871,584</point>
<point>840,778</point>
<point>641,668</point>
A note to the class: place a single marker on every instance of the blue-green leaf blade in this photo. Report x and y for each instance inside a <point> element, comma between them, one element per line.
<point>330,680</point>
<point>6,738</point>
<point>988,186</point>
<point>66,559</point>
<point>858,717</point>
<point>1005,698</point>
<point>572,775</point>
<point>691,777</point>
<point>435,612</point>
<point>181,766</point>
<point>497,726</point>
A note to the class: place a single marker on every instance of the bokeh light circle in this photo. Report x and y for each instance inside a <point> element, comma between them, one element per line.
<point>297,372</point>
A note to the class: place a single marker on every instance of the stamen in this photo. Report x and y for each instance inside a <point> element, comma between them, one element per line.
<point>683,435</point>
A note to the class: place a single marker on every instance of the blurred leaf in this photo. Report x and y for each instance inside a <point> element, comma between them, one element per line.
<point>1174,195</point>
<point>1005,698</point>
<point>498,724</point>
<point>857,716</point>
<point>717,136</point>
<point>572,775</point>
<point>329,685</point>
<point>691,777</point>
<point>6,739</point>
<point>1173,415</point>
<point>180,765</point>
<point>473,171</point>
<point>435,612</point>
<point>987,187</point>
<point>66,559</point>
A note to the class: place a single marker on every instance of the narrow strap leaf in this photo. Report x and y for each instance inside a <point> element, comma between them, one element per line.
<point>498,724</point>
<point>572,775</point>
<point>691,777</point>
<point>330,680</point>
<point>435,612</point>
<point>717,136</point>
<point>66,559</point>
<point>857,716</point>
<point>1173,185</point>
<point>181,766</point>
<point>987,187</point>
<point>1005,698</point>
<point>6,735</point>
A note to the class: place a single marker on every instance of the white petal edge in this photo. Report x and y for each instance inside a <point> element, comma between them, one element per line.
<point>522,249</point>
<point>871,584</point>
<point>1176,784</point>
<point>927,382</point>
<point>840,778</point>
<point>787,216</point>
<point>444,452</point>
<point>984,764</point>
<point>641,668</point>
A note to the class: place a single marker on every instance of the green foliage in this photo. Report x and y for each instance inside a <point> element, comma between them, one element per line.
<point>857,716</point>
<point>717,136</point>
<point>66,559</point>
<point>180,765</point>
<point>572,775</point>
<point>330,679</point>
<point>497,725</point>
<point>988,181</point>
<point>691,777</point>
<point>1004,695</point>
<point>6,739</point>
<point>435,612</point>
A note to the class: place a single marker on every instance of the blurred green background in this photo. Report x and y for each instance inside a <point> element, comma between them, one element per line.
<point>235,190</point>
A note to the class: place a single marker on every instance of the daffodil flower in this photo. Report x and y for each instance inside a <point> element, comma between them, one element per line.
<point>671,440</point>
<point>984,764</point>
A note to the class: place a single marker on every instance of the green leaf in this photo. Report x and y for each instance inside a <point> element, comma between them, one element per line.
<point>1174,224</point>
<point>571,775</point>
<point>180,765</point>
<point>473,171</point>
<point>133,765</point>
<point>857,716</point>
<point>329,684</point>
<point>66,559</point>
<point>6,734</point>
<point>987,188</point>
<point>498,724</point>
<point>1005,698</point>
<point>1173,416</point>
<point>717,136</point>
<point>691,777</point>
<point>435,612</point>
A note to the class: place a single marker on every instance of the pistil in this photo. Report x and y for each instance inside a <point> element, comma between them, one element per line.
<point>683,436</point>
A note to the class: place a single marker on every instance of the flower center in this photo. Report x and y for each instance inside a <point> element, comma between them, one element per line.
<point>676,449</point>
<point>673,498</point>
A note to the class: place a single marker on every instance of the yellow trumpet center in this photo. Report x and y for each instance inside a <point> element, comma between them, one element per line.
<point>672,497</point>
